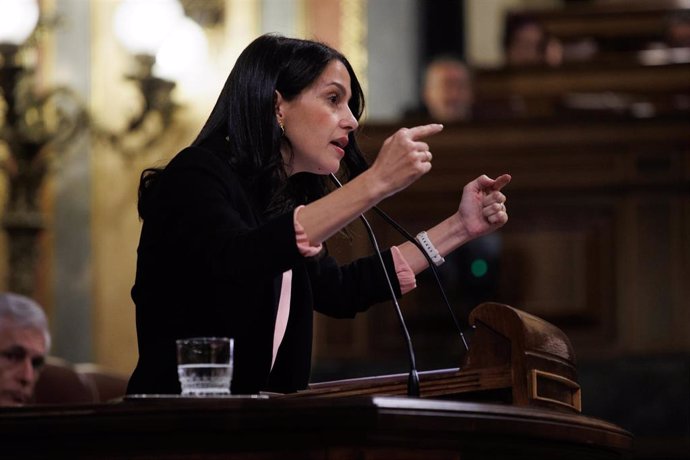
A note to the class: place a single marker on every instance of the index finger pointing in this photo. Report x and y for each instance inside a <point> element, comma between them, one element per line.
<point>419,132</point>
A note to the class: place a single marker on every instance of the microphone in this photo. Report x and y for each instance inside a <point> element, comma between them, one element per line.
<point>413,377</point>
<point>400,229</point>
<point>358,165</point>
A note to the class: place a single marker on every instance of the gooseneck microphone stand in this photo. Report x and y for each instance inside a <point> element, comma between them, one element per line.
<point>432,265</point>
<point>413,377</point>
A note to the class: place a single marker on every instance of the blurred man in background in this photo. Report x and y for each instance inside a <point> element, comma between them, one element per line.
<point>447,92</point>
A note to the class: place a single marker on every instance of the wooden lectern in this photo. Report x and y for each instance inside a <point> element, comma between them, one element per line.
<point>515,358</point>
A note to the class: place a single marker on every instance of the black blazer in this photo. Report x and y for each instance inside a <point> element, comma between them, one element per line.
<point>210,264</point>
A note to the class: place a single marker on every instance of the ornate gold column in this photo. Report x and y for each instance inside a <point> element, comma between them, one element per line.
<point>353,38</point>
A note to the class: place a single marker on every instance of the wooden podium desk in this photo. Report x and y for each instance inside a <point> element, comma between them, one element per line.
<point>523,358</point>
<point>366,428</point>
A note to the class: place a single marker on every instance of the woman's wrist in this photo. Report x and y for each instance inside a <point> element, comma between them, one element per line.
<point>369,182</point>
<point>458,228</point>
<point>449,234</point>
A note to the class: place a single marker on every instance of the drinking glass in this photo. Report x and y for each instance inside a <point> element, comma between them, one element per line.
<point>204,365</point>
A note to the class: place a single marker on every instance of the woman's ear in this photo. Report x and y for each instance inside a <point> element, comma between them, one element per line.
<point>279,104</point>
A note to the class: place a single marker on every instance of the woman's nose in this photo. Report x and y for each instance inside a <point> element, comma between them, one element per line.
<point>349,121</point>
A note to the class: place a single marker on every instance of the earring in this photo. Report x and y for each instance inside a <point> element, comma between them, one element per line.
<point>282,127</point>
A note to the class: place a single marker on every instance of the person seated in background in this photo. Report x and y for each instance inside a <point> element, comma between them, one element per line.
<point>526,43</point>
<point>447,91</point>
<point>24,344</point>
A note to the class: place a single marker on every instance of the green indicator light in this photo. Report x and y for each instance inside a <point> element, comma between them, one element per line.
<point>479,268</point>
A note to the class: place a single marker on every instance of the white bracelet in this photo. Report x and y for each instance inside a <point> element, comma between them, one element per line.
<point>430,249</point>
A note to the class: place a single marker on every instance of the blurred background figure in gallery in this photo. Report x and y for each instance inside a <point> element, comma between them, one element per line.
<point>447,90</point>
<point>526,43</point>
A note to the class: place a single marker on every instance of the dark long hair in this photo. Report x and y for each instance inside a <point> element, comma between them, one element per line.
<point>244,116</point>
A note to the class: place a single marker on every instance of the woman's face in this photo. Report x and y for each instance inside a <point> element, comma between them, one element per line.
<point>317,122</point>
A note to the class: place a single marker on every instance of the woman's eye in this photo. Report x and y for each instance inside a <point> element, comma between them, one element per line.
<point>333,99</point>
